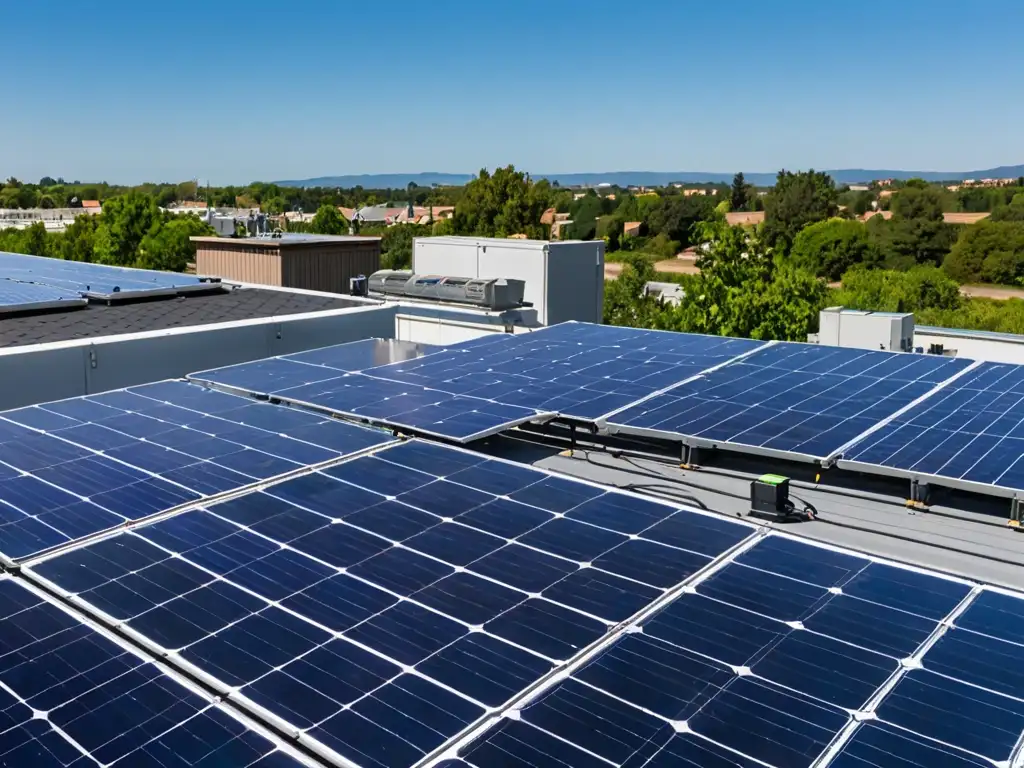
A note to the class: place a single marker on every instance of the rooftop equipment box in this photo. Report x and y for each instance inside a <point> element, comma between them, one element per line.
<point>564,280</point>
<point>313,262</point>
<point>890,331</point>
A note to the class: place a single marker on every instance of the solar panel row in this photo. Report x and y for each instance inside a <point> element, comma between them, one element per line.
<point>71,697</point>
<point>381,606</point>
<point>99,281</point>
<point>799,399</point>
<point>73,468</point>
<point>490,384</point>
<point>971,431</point>
<point>22,297</point>
<point>791,655</point>
<point>321,380</point>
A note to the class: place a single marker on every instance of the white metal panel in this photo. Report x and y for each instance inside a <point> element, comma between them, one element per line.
<point>527,263</point>
<point>456,257</point>
<point>974,347</point>
<point>28,377</point>
<point>426,330</point>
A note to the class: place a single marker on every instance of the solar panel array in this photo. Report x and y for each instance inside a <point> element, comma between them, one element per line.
<point>23,297</point>
<point>487,385</point>
<point>99,281</point>
<point>801,399</point>
<point>971,431</point>
<point>791,655</point>
<point>380,607</point>
<point>72,697</point>
<point>326,380</point>
<point>862,409</point>
<point>73,468</point>
<point>428,605</point>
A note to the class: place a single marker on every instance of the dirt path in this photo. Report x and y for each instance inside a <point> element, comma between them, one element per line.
<point>677,266</point>
<point>992,292</point>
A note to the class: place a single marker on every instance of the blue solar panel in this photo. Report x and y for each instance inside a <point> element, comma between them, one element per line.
<point>387,603</point>
<point>75,467</point>
<point>95,280</point>
<point>486,385</point>
<point>579,370</point>
<point>19,297</point>
<point>971,431</point>
<point>803,400</point>
<point>321,386</point>
<point>72,697</point>
<point>767,661</point>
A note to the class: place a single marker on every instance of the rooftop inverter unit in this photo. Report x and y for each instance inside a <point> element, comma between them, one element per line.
<point>389,281</point>
<point>493,293</point>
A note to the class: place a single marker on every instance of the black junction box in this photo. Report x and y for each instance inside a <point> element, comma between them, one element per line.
<point>769,495</point>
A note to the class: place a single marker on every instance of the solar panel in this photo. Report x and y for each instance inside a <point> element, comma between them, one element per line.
<point>579,370</point>
<point>72,468</point>
<point>99,281</point>
<point>789,655</point>
<point>970,433</point>
<point>72,696</point>
<point>322,387</point>
<point>382,606</point>
<point>801,401</point>
<point>490,384</point>
<point>23,297</point>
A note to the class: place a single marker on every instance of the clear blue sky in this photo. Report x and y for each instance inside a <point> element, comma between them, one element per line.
<point>129,91</point>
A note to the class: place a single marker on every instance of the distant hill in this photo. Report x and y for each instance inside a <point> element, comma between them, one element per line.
<point>643,178</point>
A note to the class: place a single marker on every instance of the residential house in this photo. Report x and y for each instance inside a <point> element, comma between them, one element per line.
<point>632,228</point>
<point>92,205</point>
<point>548,217</point>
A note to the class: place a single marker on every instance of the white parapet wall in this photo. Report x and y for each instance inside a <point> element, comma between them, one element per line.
<point>43,372</point>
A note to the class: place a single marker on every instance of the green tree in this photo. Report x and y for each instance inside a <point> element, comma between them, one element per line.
<point>741,194</point>
<point>396,245</point>
<point>742,291</point>
<point>989,252</point>
<point>829,248</point>
<point>328,221</point>
<point>168,246</point>
<point>625,299</point>
<point>678,216</point>
<point>1014,211</point>
<point>126,221</point>
<point>78,240</point>
<point>798,199</point>
<point>504,203</point>
<point>881,290</point>
<point>919,234</point>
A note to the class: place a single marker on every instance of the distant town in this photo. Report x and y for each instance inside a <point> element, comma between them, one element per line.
<point>731,258</point>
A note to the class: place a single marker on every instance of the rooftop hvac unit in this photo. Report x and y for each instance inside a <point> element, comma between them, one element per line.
<point>493,293</point>
<point>389,281</point>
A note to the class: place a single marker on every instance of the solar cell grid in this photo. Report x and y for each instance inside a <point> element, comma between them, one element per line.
<point>95,280</point>
<point>17,296</point>
<point>971,432</point>
<point>76,467</point>
<point>764,662</point>
<point>801,400</point>
<point>72,697</point>
<point>576,369</point>
<point>472,389</point>
<point>329,625</point>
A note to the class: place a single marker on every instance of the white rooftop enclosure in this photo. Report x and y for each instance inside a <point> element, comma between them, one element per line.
<point>564,280</point>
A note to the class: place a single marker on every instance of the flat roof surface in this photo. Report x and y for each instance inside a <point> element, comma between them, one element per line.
<point>99,319</point>
<point>964,543</point>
